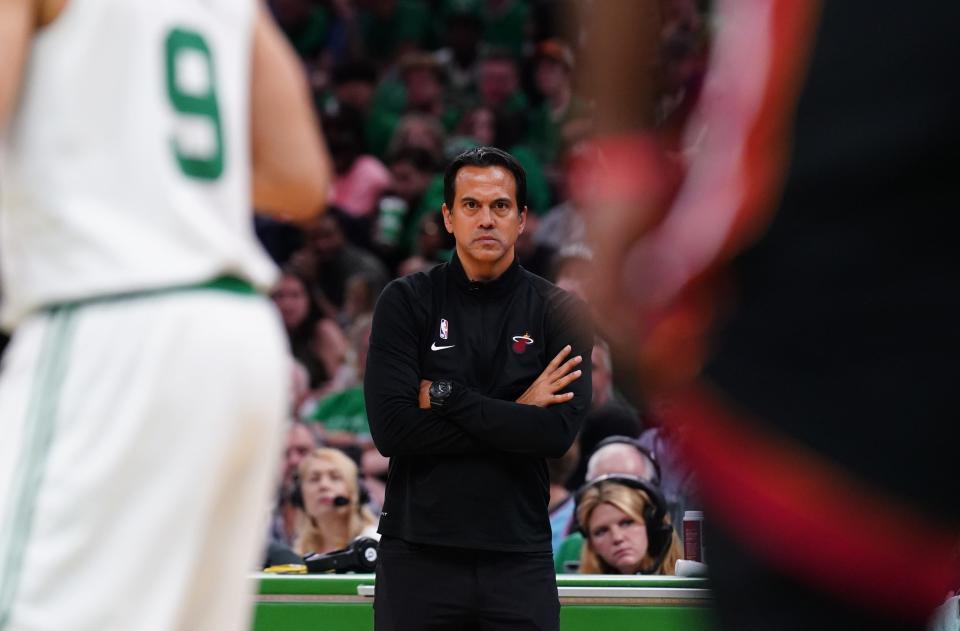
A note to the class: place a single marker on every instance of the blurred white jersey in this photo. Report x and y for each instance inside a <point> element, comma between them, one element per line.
<point>126,164</point>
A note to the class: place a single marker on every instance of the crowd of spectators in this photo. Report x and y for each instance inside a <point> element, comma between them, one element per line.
<point>401,87</point>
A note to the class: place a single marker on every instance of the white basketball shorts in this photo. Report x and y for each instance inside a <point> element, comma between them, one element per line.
<point>139,445</point>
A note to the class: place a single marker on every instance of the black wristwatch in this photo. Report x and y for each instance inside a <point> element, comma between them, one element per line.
<point>440,392</point>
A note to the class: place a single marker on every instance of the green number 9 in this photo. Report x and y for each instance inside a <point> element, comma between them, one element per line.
<point>195,101</point>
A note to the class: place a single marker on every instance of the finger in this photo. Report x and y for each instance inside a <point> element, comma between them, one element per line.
<point>568,366</point>
<point>566,380</point>
<point>565,396</point>
<point>559,358</point>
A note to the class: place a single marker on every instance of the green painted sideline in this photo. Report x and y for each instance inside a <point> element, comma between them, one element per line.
<point>305,584</point>
<point>611,580</point>
<point>315,615</point>
<point>340,584</point>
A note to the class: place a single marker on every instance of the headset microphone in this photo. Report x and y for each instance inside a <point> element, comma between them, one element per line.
<point>295,495</point>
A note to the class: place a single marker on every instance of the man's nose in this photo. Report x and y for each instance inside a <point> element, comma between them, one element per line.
<point>486,216</point>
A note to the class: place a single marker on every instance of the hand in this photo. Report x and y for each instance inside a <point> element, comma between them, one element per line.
<point>425,394</point>
<point>555,377</point>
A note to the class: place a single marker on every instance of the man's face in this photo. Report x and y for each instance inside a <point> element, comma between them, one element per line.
<point>423,87</point>
<point>550,76</point>
<point>482,126</point>
<point>497,81</point>
<point>299,444</point>
<point>485,220</point>
<point>620,459</point>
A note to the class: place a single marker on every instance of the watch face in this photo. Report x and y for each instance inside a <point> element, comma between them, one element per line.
<point>440,391</point>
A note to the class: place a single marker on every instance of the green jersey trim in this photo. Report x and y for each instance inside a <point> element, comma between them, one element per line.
<point>229,284</point>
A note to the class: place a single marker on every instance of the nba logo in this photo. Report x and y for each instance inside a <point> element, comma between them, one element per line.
<point>443,329</point>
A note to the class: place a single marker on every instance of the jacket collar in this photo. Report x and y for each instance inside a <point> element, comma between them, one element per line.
<point>499,285</point>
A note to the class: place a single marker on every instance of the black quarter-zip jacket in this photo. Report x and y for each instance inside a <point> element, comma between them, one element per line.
<point>473,475</point>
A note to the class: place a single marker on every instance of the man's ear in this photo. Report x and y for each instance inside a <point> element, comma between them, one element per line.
<point>447,220</point>
<point>523,219</point>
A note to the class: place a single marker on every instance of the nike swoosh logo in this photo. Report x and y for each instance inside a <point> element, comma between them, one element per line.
<point>434,347</point>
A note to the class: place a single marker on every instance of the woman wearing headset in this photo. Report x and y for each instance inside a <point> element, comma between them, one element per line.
<point>626,528</point>
<point>333,514</point>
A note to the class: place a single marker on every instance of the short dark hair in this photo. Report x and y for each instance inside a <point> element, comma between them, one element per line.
<point>485,157</point>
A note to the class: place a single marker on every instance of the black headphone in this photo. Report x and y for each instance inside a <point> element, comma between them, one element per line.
<point>659,531</point>
<point>359,556</point>
<point>635,443</point>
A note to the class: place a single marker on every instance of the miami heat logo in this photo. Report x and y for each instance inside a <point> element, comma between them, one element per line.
<point>521,342</point>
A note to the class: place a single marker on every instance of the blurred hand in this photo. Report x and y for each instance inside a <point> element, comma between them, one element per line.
<point>659,335</point>
<point>554,378</point>
<point>612,231</point>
